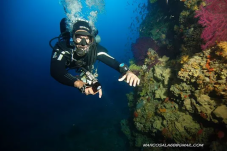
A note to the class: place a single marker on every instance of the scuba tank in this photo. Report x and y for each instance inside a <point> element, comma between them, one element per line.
<point>65,35</point>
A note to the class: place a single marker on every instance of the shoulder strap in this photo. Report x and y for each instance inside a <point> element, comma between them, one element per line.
<point>62,49</point>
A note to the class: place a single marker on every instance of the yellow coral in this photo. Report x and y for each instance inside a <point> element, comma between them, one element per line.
<point>223,46</point>
<point>184,13</point>
<point>195,65</point>
<point>188,5</point>
<point>203,3</point>
<point>184,59</point>
<point>195,8</point>
<point>162,110</point>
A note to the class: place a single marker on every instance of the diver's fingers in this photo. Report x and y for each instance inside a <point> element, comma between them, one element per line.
<point>138,82</point>
<point>133,78</point>
<point>121,79</point>
<point>135,81</point>
<point>129,77</point>
<point>100,93</point>
<point>86,91</point>
<point>90,91</point>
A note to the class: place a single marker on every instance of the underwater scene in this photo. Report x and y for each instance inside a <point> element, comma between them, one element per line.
<point>175,51</point>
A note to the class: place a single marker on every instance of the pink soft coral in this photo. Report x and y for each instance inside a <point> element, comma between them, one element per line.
<point>213,17</point>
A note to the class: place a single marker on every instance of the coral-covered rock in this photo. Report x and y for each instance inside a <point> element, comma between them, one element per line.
<point>221,112</point>
<point>187,105</point>
<point>161,93</point>
<point>157,125</point>
<point>183,127</point>
<point>162,74</point>
<point>205,106</point>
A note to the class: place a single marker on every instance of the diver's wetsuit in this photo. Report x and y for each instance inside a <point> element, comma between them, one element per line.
<point>60,63</point>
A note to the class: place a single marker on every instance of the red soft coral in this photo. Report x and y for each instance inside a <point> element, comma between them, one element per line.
<point>213,17</point>
<point>140,49</point>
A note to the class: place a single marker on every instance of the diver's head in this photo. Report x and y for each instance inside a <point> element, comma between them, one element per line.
<point>83,37</point>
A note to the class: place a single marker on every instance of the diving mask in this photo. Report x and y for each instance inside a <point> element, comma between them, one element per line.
<point>82,44</point>
<point>82,40</point>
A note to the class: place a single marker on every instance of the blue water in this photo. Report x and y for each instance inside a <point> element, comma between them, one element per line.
<point>39,114</point>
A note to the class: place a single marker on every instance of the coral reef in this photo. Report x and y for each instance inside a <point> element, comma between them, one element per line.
<point>181,99</point>
<point>220,112</point>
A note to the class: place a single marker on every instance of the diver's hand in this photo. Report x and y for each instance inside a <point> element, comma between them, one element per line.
<point>131,78</point>
<point>90,91</point>
<point>79,84</point>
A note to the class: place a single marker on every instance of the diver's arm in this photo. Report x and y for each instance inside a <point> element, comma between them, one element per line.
<point>108,60</point>
<point>130,77</point>
<point>104,57</point>
<point>59,73</point>
<point>58,70</point>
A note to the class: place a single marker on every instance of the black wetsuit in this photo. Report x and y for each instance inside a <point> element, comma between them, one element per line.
<point>60,62</point>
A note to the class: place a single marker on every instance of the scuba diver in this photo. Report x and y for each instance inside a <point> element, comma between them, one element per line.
<point>79,50</point>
